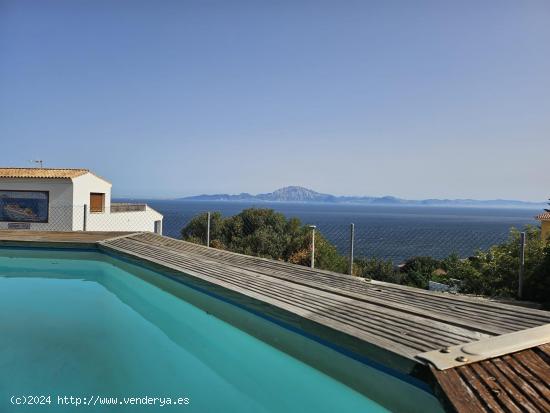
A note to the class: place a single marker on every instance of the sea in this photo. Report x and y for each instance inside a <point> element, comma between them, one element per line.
<point>389,232</point>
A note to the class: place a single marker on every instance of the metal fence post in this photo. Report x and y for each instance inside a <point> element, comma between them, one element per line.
<point>85,218</point>
<point>351,241</point>
<point>208,229</point>
<point>312,245</point>
<point>521,264</point>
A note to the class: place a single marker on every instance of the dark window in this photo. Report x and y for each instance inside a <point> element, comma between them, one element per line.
<point>97,202</point>
<point>24,206</point>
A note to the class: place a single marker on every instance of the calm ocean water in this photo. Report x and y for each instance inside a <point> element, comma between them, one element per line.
<point>391,232</point>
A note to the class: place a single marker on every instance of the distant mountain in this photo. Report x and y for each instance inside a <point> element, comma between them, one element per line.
<point>304,195</point>
<point>296,194</point>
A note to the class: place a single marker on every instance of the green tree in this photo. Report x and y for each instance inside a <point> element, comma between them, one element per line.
<point>537,286</point>
<point>419,271</point>
<point>495,272</point>
<point>377,269</point>
<point>265,233</point>
<point>260,232</point>
<point>195,230</point>
<point>327,256</point>
<point>462,274</point>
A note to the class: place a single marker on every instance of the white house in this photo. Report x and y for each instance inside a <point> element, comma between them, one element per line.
<point>67,200</point>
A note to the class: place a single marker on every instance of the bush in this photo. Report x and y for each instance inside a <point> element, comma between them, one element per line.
<point>419,271</point>
<point>265,233</point>
<point>495,272</point>
<point>537,286</point>
<point>377,269</point>
<point>195,230</point>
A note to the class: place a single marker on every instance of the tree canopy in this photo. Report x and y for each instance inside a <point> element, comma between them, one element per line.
<point>265,233</point>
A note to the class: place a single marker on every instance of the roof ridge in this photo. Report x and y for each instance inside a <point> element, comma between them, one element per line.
<point>37,167</point>
<point>43,173</point>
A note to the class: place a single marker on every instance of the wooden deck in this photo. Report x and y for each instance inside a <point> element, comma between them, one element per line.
<point>518,382</point>
<point>55,237</point>
<point>386,323</point>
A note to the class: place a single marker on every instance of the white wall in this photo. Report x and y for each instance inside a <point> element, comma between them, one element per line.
<point>83,186</point>
<point>124,221</point>
<point>60,217</point>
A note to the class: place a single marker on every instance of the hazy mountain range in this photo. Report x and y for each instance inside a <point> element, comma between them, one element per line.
<point>304,195</point>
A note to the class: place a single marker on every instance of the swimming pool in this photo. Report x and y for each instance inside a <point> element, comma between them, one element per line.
<point>95,327</point>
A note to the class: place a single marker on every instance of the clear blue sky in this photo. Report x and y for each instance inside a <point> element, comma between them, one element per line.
<point>166,98</point>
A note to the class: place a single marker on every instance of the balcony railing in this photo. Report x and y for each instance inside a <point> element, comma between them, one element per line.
<point>126,207</point>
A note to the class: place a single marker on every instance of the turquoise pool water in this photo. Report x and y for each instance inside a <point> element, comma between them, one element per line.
<point>86,325</point>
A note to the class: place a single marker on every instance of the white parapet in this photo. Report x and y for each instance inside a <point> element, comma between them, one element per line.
<point>126,219</point>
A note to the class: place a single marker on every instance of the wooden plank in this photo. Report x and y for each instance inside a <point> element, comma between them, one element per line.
<point>497,390</point>
<point>58,236</point>
<point>524,383</point>
<point>544,350</point>
<point>508,384</point>
<point>538,368</point>
<point>525,375</point>
<point>487,395</point>
<point>455,392</point>
<point>518,382</point>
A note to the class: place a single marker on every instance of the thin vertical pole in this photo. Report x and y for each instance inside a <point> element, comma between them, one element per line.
<point>351,241</point>
<point>208,230</point>
<point>312,245</point>
<point>85,218</point>
<point>521,264</point>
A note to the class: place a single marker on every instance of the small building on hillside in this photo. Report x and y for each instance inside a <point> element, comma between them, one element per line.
<point>544,219</point>
<point>51,199</point>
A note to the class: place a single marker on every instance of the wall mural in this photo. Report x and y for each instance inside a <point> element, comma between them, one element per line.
<point>24,206</point>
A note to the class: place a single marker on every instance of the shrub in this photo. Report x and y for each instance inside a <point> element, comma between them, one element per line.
<point>265,233</point>
<point>419,271</point>
<point>377,269</point>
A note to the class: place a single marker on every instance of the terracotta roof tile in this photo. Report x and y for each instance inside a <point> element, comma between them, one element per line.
<point>545,216</point>
<point>46,173</point>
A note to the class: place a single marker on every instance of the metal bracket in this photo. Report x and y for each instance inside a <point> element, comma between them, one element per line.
<point>487,348</point>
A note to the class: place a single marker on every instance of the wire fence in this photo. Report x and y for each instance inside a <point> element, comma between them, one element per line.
<point>115,217</point>
<point>392,243</point>
<point>355,249</point>
<point>398,244</point>
<point>345,247</point>
<point>267,235</point>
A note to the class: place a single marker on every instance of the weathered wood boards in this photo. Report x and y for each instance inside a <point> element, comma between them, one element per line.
<point>53,238</point>
<point>518,382</point>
